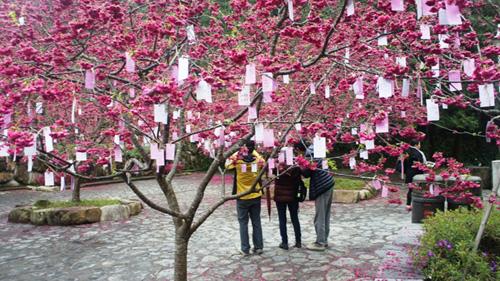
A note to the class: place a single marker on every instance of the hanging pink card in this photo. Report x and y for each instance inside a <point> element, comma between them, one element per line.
<point>267,82</point>
<point>425,29</point>
<point>268,138</point>
<point>160,160</point>
<point>250,77</point>
<point>89,79</point>
<point>455,82</point>
<point>382,126</point>
<point>129,63</point>
<point>252,112</point>
<point>131,92</point>
<point>358,88</point>
<point>426,9</point>
<point>281,157</point>
<point>289,155</point>
<point>243,168</point>
<point>118,154</point>
<point>469,67</point>
<point>270,163</point>
<point>376,184</point>
<point>267,98</point>
<point>397,5</point>
<point>170,151</point>
<point>385,191</point>
<point>452,13</point>
<point>324,164</point>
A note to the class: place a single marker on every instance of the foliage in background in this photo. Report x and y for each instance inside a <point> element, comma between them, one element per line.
<point>446,252</point>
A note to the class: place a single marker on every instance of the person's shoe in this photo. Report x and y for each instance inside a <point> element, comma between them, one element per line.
<point>258,251</point>
<point>283,246</point>
<point>316,247</point>
<point>298,245</point>
<point>408,208</point>
<point>245,254</point>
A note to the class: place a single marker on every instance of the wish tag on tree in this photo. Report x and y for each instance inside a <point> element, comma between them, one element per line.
<point>469,66</point>
<point>385,191</point>
<point>405,90</point>
<point>183,68</point>
<point>118,154</point>
<point>350,7</point>
<point>382,126</point>
<point>455,81</point>
<point>286,79</point>
<point>453,16</point>
<point>160,113</point>
<point>191,35</point>
<point>268,138</point>
<point>63,184</point>
<point>81,156</point>
<point>48,178</point>
<point>250,77</point>
<point>290,9</point>
<point>170,151</point>
<point>324,164</point>
<point>252,112</point>
<point>425,29</point>
<point>89,79</point>
<point>397,5</point>
<point>243,168</point>
<point>432,110</point>
<point>319,147</point>
<point>267,82</point>
<point>129,63</point>
<point>289,155</point>
<point>270,163</point>
<point>352,163</point>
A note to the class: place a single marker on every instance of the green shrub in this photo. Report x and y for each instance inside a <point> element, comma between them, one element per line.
<point>446,251</point>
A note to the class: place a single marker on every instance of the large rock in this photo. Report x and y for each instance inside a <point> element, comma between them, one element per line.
<point>73,215</point>
<point>5,177</point>
<point>39,217</point>
<point>345,196</point>
<point>20,215</point>
<point>115,212</point>
<point>134,208</point>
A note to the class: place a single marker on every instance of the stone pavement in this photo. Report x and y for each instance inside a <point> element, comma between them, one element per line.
<point>368,240</point>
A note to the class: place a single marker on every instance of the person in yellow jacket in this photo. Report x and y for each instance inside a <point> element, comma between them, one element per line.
<point>247,163</point>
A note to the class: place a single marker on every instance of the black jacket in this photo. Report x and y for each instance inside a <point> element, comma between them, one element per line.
<point>286,186</point>
<point>413,156</point>
<point>321,181</point>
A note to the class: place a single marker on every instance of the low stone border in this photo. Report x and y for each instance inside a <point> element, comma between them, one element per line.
<point>75,215</point>
<point>353,196</point>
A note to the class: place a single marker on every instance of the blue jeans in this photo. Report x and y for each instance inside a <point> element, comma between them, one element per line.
<point>293,208</point>
<point>249,209</point>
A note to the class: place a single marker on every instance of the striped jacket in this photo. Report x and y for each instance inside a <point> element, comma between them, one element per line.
<point>321,181</point>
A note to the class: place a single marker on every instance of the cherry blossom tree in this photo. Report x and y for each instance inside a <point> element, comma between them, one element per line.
<point>83,83</point>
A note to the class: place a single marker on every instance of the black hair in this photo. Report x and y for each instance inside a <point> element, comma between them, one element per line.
<point>300,146</point>
<point>250,144</point>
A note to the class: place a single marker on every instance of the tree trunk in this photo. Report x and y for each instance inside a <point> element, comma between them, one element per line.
<point>181,251</point>
<point>75,195</point>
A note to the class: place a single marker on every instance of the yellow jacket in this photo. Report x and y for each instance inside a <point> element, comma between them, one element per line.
<point>244,180</point>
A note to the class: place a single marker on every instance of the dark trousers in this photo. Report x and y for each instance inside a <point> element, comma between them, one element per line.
<point>294,215</point>
<point>249,209</point>
<point>408,197</point>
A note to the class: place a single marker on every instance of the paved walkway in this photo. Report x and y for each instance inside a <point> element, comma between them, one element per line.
<point>369,240</point>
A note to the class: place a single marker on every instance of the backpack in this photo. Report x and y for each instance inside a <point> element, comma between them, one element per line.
<point>302,192</point>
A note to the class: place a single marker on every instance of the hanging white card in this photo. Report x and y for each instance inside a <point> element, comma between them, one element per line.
<point>183,68</point>
<point>405,90</point>
<point>49,143</point>
<point>259,132</point>
<point>442,43</point>
<point>267,82</point>
<point>401,61</point>
<point>81,156</point>
<point>486,95</point>
<point>244,96</point>
<point>358,88</point>
<point>385,87</point>
<point>319,145</point>
<point>48,178</point>
<point>289,155</point>
<point>350,7</point>
<point>160,113</point>
<point>327,91</point>
<point>425,29</point>
<point>469,67</point>
<point>432,110</point>
<point>4,150</point>
<point>63,184</point>
<point>39,108</point>
<point>363,154</point>
<point>204,91</point>
<point>191,35</point>
<point>73,111</point>
<point>352,163</point>
<point>290,9</point>
<point>382,40</point>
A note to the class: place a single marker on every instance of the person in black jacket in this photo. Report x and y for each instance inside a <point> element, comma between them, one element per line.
<point>413,154</point>
<point>286,187</point>
<point>321,191</point>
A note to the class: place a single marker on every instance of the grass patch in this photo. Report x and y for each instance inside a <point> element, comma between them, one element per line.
<point>349,184</point>
<point>344,184</point>
<point>46,204</point>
